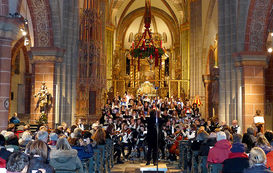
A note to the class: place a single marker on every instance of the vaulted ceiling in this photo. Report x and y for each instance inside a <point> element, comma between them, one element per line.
<point>127,17</point>
<point>121,8</point>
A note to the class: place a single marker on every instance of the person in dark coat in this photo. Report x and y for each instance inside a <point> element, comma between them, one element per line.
<point>249,139</point>
<point>17,162</point>
<point>152,136</point>
<point>237,160</point>
<point>257,160</point>
<point>38,152</point>
<point>4,154</point>
<point>207,144</point>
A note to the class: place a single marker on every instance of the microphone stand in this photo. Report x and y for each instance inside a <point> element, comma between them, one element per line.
<point>157,132</point>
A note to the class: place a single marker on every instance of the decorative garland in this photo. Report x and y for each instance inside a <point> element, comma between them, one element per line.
<point>147,52</point>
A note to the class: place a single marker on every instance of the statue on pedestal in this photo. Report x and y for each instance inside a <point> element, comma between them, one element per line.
<point>44,102</point>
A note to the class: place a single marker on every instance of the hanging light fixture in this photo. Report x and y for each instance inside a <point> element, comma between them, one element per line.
<point>145,47</point>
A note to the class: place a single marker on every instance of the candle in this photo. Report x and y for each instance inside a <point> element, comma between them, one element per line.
<point>161,44</point>
<point>133,45</point>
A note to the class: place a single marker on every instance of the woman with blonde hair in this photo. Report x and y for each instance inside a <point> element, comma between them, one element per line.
<point>257,161</point>
<point>64,158</point>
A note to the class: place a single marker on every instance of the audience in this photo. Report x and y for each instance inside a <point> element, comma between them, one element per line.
<point>4,153</point>
<point>38,155</point>
<point>237,160</point>
<point>257,160</point>
<point>222,146</point>
<point>64,158</point>
<point>99,136</point>
<point>249,139</point>
<point>17,162</point>
<point>84,147</point>
<point>66,149</point>
<point>12,144</point>
<point>269,136</point>
<point>25,139</point>
<point>53,137</point>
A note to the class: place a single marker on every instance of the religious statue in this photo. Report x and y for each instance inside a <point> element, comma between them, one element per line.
<point>44,99</point>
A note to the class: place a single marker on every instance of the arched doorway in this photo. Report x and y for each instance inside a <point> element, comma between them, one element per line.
<point>20,91</point>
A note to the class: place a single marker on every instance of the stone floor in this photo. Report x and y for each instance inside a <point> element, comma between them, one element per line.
<point>134,167</point>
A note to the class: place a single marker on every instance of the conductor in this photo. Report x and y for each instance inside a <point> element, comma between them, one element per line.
<point>152,123</point>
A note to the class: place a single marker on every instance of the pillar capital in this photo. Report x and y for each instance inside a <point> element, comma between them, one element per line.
<point>10,27</point>
<point>46,54</point>
<point>185,26</point>
<point>251,59</point>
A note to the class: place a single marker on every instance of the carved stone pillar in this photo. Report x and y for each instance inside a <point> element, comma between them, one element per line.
<point>253,85</point>
<point>43,60</point>
<point>8,32</point>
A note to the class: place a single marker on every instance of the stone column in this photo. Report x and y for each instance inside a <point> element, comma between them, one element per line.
<point>207,81</point>
<point>4,7</point>
<point>43,60</point>
<point>185,53</point>
<point>9,28</point>
<point>253,85</point>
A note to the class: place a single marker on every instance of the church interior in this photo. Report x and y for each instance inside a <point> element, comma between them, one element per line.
<point>61,61</point>
<point>218,52</point>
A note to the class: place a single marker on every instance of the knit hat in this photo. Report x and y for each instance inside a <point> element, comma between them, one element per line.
<point>220,136</point>
<point>237,148</point>
<point>53,137</point>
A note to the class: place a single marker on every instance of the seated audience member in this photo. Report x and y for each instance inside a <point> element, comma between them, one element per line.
<point>269,136</point>
<point>53,137</point>
<point>42,135</point>
<point>38,152</point>
<point>249,139</point>
<point>8,134</point>
<point>14,119</point>
<point>237,160</point>
<point>263,144</point>
<point>24,140</point>
<point>99,136</point>
<point>64,158</point>
<point>17,162</point>
<point>207,144</point>
<point>228,135</point>
<point>11,128</point>
<point>221,149</point>
<point>84,152</point>
<point>12,144</point>
<point>268,150</point>
<point>4,154</point>
<point>257,160</point>
<point>27,148</point>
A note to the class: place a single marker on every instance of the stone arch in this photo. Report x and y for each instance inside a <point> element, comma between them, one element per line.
<point>42,25</point>
<point>19,45</point>
<point>125,23</point>
<point>257,25</point>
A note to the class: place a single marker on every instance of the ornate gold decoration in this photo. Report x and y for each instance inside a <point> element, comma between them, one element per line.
<point>147,88</point>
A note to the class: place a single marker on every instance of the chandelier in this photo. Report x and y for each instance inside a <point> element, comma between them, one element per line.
<point>146,47</point>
